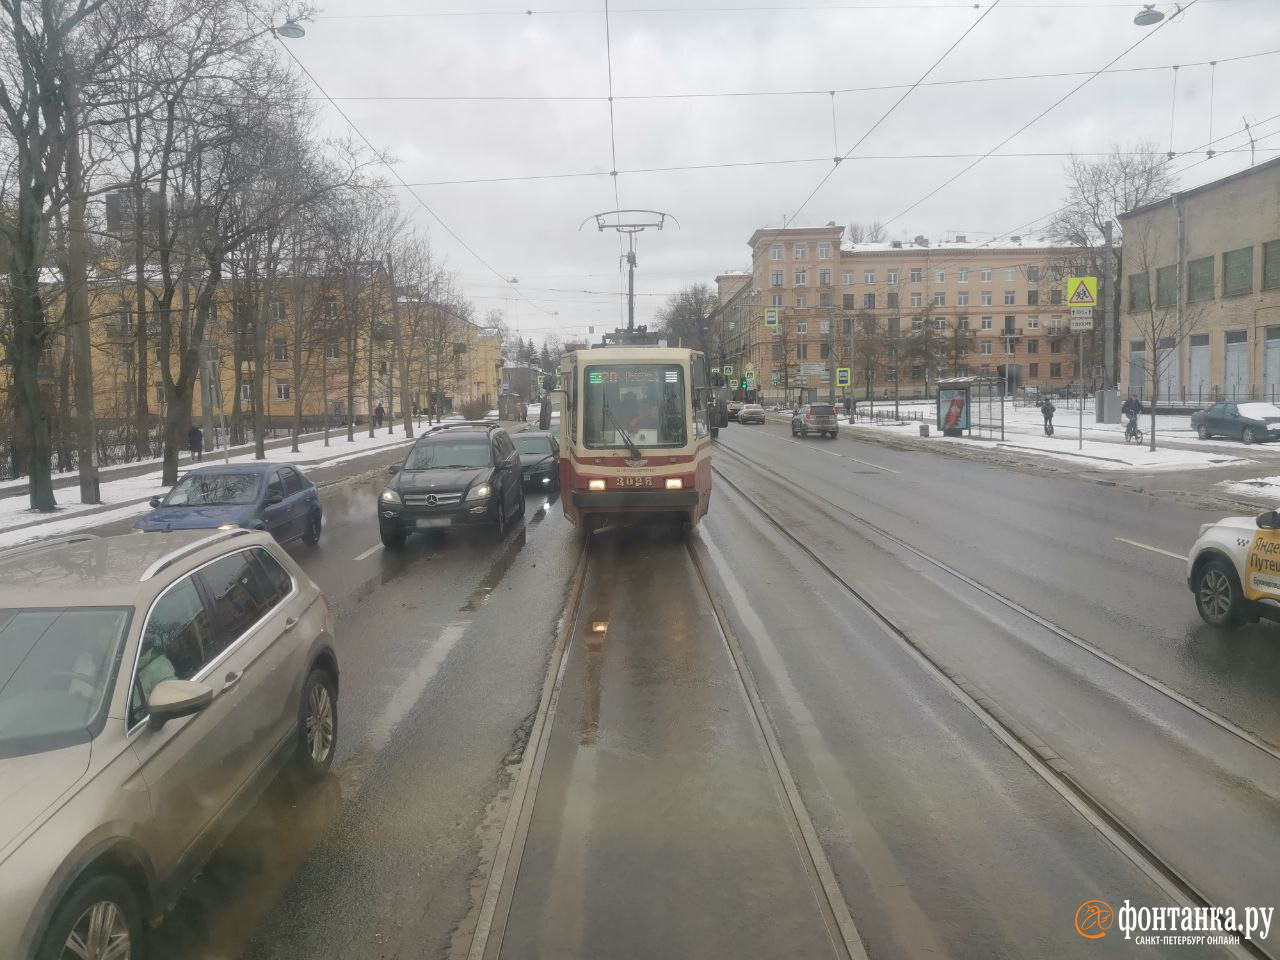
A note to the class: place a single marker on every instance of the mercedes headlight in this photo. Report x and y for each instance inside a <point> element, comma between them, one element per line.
<point>390,496</point>
<point>478,492</point>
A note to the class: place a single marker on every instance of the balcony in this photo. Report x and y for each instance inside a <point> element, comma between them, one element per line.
<point>1010,332</point>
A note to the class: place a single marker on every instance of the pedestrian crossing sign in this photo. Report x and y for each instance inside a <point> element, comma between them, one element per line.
<point>1082,291</point>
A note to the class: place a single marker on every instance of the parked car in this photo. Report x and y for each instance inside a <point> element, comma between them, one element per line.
<point>456,475</point>
<point>1249,422</point>
<point>751,413</point>
<point>817,418</point>
<point>275,497</point>
<point>539,459</point>
<point>1233,570</point>
<point>735,407</point>
<point>165,681</point>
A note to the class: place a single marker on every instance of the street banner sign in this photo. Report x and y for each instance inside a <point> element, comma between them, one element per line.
<point>771,316</point>
<point>1082,291</point>
<point>842,376</point>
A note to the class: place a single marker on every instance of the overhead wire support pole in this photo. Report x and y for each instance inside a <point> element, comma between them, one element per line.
<point>636,221</point>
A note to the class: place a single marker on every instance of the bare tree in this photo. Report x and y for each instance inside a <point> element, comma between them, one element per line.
<point>873,232</point>
<point>685,319</point>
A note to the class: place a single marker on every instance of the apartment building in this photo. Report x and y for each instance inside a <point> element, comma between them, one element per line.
<point>900,314</point>
<point>1200,309</point>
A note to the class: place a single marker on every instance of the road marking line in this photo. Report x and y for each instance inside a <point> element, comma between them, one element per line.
<point>1143,546</point>
<point>367,554</point>
<point>865,463</point>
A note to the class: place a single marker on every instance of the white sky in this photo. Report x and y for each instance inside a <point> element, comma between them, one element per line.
<point>530,228</point>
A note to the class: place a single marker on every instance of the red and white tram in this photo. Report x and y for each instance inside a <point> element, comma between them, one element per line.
<point>635,443</point>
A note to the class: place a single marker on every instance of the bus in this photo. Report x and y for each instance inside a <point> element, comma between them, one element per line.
<point>635,438</point>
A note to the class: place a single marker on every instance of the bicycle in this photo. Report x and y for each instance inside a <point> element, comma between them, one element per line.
<point>1132,431</point>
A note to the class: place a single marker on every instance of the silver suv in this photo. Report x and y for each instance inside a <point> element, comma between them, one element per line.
<point>150,687</point>
<point>819,418</point>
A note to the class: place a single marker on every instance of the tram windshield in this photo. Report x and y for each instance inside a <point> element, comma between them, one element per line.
<point>642,402</point>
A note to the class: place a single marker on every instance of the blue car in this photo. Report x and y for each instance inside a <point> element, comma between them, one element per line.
<point>275,497</point>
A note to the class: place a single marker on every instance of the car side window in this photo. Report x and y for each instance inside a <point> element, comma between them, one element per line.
<point>1231,410</point>
<point>277,574</point>
<point>276,487</point>
<point>241,594</point>
<point>177,642</point>
<point>291,483</point>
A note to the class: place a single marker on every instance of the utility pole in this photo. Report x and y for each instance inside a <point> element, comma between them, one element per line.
<point>631,286</point>
<point>1107,408</point>
<point>636,221</point>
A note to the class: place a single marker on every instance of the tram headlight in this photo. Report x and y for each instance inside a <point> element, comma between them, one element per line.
<point>675,483</point>
<point>595,484</point>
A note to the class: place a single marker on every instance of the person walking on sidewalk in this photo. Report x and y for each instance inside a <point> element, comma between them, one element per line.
<point>195,440</point>
<point>378,414</point>
<point>1047,410</point>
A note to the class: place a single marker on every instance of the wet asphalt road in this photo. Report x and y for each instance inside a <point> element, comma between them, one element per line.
<point>658,830</point>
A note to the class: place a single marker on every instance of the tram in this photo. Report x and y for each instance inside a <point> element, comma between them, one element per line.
<point>635,440</point>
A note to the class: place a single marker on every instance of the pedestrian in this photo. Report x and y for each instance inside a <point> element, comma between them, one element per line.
<point>195,440</point>
<point>1047,410</point>
<point>378,414</point>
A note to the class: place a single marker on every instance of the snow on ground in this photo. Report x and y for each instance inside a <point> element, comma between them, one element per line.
<point>133,493</point>
<point>1264,489</point>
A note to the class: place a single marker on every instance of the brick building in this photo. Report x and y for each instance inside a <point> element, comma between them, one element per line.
<point>1201,291</point>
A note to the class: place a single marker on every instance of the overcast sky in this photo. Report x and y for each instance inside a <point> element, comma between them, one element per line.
<point>365,51</point>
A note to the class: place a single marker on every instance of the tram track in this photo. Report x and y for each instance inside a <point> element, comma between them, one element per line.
<point>1035,754</point>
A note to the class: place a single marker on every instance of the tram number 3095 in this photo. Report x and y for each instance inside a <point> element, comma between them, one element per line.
<point>635,481</point>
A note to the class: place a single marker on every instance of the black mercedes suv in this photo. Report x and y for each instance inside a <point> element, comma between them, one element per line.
<point>457,474</point>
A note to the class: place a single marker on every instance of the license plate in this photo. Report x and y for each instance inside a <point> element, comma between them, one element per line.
<point>634,482</point>
<point>424,522</point>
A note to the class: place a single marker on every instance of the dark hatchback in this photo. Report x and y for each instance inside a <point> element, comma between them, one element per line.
<point>458,475</point>
<point>1249,422</point>
<point>275,497</point>
<point>539,459</point>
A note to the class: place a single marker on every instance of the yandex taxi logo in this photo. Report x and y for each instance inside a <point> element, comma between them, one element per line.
<point>1094,919</point>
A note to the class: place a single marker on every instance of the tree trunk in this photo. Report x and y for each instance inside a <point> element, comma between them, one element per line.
<point>298,331</point>
<point>28,341</point>
<point>261,363</point>
<point>78,306</point>
<point>141,408</point>
<point>352,342</point>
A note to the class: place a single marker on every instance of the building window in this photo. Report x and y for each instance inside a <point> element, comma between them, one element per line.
<point>985,275</point>
<point>1166,286</point>
<point>962,275</point>
<point>1033,370</point>
<point>868,276</point>
<point>126,353</point>
<point>801,301</point>
<point>1033,274</point>
<point>246,390</point>
<point>1010,298</point>
<point>824,299</point>
<point>332,351</point>
<point>276,311</point>
<point>940,275</point>
<point>917,274</point>
<point>1033,298</point>
<point>775,279</point>
<point>1055,346</point>
<point>868,301</point>
<point>1271,265</point>
<point>985,347</point>
<point>939,323</point>
<point>775,252</point>
<point>1033,346</point>
<point>282,389</point>
<point>986,323</point>
<point>1200,279</point>
<point>824,278</point>
<point>211,314</point>
<point>382,367</point>
<point>777,352</point>
<point>1055,296</point>
<point>280,351</point>
<point>1010,274</point>
<point>159,394</point>
<point>801,251</point>
<point>824,326</point>
<point>962,322</point>
<point>801,276</point>
<point>1139,292</point>
<point>893,276</point>
<point>917,299</point>
<point>1009,322</point>
<point>824,351</point>
<point>846,301</point>
<point>891,300</point>
<point>940,299</point>
<point>331,309</point>
<point>985,297</point>
<point>1033,323</point>
<point>1008,347</point>
<point>962,298</point>
<point>802,326</point>
<point>777,299</point>
<point>824,251</point>
<point>847,278</point>
<point>917,322</point>
<point>1055,371</point>
<point>1055,323</point>
<point>802,351</point>
<point>1237,272</point>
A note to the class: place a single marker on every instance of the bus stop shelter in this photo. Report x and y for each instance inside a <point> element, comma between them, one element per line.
<point>969,404</point>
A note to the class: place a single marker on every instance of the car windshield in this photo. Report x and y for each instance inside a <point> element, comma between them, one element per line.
<point>56,665</point>
<point>642,402</point>
<point>448,454</point>
<point>215,489</point>
<point>533,444</point>
<point>1259,411</point>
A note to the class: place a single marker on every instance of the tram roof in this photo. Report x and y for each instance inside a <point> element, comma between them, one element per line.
<point>636,354</point>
